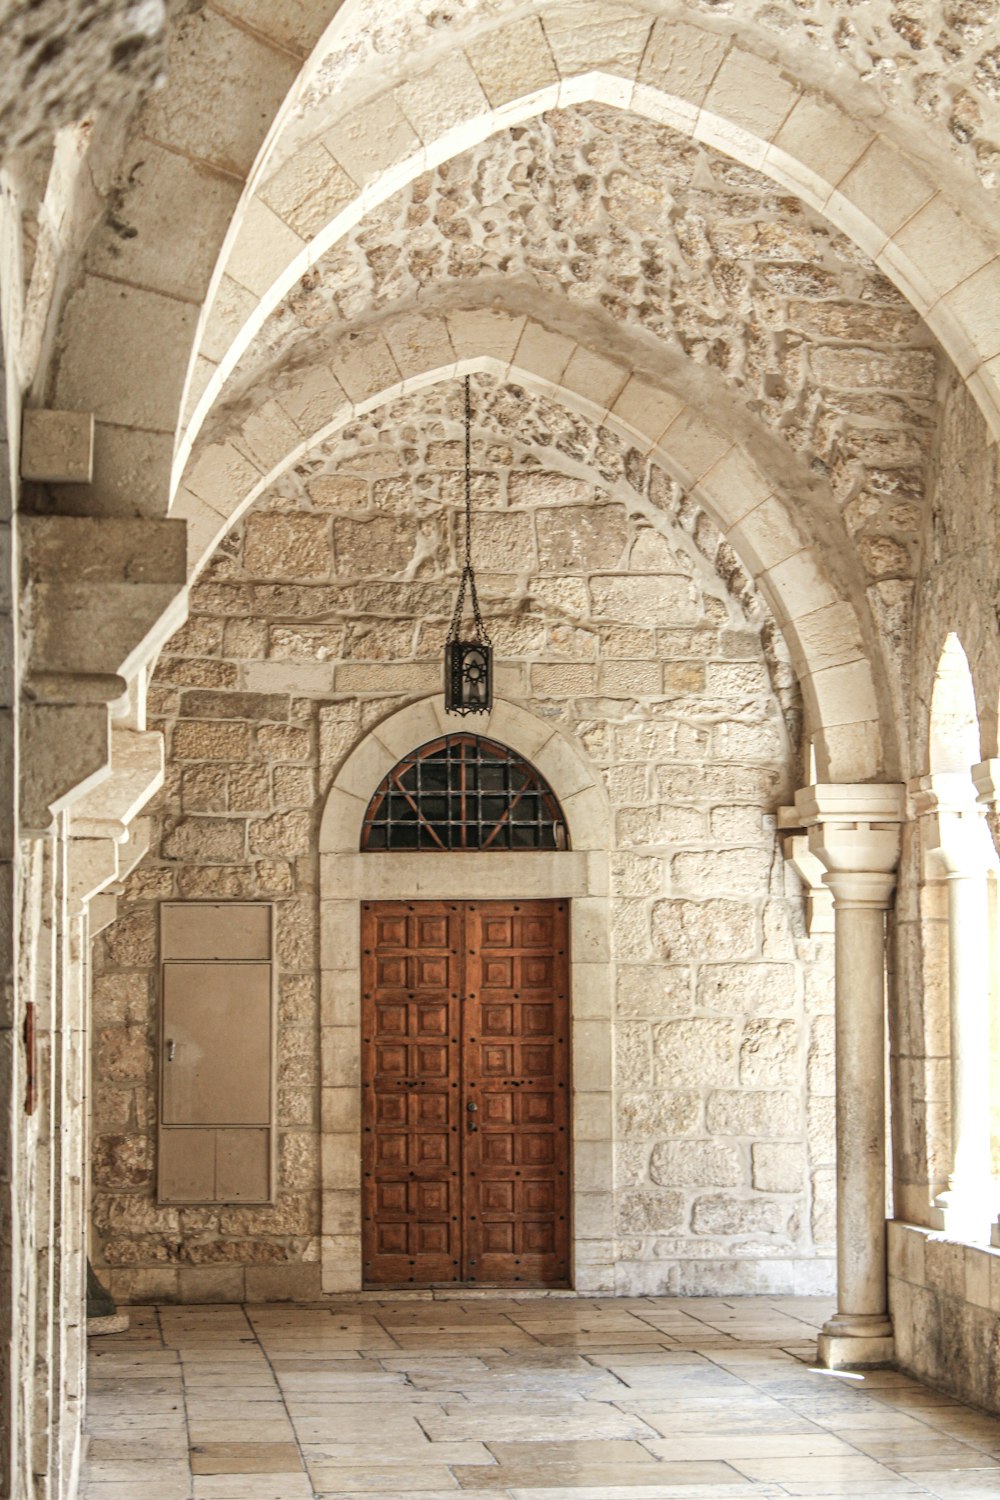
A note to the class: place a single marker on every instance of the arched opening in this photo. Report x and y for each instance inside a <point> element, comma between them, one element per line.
<point>465,968</point>
<point>954,725</point>
<point>463,792</point>
<point>959,853</point>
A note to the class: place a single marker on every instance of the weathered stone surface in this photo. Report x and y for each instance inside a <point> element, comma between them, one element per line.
<point>769,1054</point>
<point>288,546</point>
<point>643,1211</point>
<point>742,872</point>
<point>220,741</point>
<point>658,1114</point>
<point>646,601</point>
<point>122,1161</point>
<point>121,998</point>
<point>724,1213</point>
<point>282,833</point>
<point>124,1052</point>
<point>697,1164</point>
<point>695,1053</point>
<point>691,929</point>
<point>653,826</point>
<point>380,545</point>
<point>580,539</point>
<point>823,1218</point>
<point>299,1160</point>
<point>754,1114</point>
<point>651,991</point>
<point>254,706</point>
<point>249,789</point>
<point>778,1166</point>
<point>821,1073</point>
<point>130,943</point>
<point>634,1057</point>
<point>746,987</point>
<point>205,839</point>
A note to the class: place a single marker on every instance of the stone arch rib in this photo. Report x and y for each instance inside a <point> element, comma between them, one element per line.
<point>821,623</point>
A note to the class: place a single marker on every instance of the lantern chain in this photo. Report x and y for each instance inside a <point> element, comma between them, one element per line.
<point>468,579</point>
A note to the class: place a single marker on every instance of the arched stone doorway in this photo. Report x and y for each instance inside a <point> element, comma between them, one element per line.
<point>579,875</point>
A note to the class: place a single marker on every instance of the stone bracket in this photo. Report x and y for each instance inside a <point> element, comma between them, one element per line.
<point>64,754</point>
<point>102,592</point>
<point>136,773</point>
<point>57,447</point>
<point>810,871</point>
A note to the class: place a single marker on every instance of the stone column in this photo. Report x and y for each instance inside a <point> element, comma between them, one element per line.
<point>854,832</point>
<point>986,778</point>
<point>957,848</point>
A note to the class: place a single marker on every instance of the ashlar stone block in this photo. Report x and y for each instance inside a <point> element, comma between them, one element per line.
<point>696,1053</point>
<point>690,929</point>
<point>697,1164</point>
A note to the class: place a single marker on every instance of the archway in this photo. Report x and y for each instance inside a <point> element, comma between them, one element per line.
<point>579,874</point>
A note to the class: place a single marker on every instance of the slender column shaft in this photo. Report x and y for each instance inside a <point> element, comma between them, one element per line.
<point>969,1197</point>
<point>854,833</point>
<point>860,1045</point>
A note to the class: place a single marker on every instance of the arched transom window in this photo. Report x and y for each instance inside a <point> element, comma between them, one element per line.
<point>463,792</point>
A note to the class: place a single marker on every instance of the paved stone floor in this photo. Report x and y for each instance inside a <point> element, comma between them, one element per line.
<point>528,1399</point>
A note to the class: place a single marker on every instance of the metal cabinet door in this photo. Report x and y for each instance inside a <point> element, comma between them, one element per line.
<point>216,1043</point>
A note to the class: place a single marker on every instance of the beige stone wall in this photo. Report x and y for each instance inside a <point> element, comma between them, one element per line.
<point>324,612</point>
<point>945,1303</point>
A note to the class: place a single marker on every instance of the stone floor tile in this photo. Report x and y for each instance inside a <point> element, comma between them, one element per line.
<point>252,1487</point>
<point>582,1452</point>
<point>244,1458</point>
<point>240,1432</point>
<point>137,1472</point>
<point>733,1447</point>
<point>389,1450</point>
<point>511,1399</point>
<point>602,1476</point>
<point>375,1476</point>
<point>156,1489</point>
<point>449,1494</point>
<point>965,1484</point>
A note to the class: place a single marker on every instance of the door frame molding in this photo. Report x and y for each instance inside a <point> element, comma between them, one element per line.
<point>580,874</point>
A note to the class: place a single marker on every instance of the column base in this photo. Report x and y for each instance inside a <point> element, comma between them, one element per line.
<point>856,1342</point>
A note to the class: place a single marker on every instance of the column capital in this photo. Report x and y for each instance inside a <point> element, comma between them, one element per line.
<point>952,818</point>
<point>986,780</point>
<point>854,830</point>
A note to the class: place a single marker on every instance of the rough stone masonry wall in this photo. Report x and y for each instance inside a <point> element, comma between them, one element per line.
<point>325,611</point>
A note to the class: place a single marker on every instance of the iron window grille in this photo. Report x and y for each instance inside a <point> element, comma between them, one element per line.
<point>463,792</point>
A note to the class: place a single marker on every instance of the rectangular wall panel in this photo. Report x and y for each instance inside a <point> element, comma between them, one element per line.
<point>217,1043</point>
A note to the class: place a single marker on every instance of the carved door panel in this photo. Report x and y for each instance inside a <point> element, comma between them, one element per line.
<point>465,1084</point>
<point>517,1077</point>
<point>411,963</point>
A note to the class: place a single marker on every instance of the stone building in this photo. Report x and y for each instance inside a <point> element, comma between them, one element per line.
<point>724,281</point>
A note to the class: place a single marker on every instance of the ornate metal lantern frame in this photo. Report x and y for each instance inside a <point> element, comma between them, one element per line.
<point>468,661</point>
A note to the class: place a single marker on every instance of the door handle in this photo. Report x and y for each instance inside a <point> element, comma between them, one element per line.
<point>171,1049</point>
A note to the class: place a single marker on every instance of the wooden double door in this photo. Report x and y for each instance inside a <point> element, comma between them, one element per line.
<point>465,1084</point>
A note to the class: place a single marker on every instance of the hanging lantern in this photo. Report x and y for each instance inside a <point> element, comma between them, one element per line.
<point>468,663</point>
